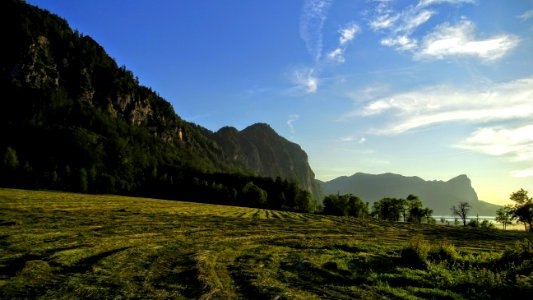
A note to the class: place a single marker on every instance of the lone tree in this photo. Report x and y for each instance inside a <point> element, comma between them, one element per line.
<point>461,210</point>
<point>523,209</point>
<point>505,216</point>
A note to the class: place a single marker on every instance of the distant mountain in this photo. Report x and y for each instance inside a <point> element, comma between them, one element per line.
<point>437,195</point>
<point>71,118</point>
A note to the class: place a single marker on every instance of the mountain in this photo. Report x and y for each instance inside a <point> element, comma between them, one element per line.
<point>437,195</point>
<point>260,149</point>
<point>72,119</point>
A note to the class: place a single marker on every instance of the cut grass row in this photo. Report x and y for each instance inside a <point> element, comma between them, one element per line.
<point>60,246</point>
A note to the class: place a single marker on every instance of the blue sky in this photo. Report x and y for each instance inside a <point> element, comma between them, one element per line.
<point>429,88</point>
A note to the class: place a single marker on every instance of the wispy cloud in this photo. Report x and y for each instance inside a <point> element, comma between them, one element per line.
<point>431,2</point>
<point>526,15</point>
<point>346,35</point>
<point>400,42</point>
<point>305,79</point>
<point>399,23</point>
<point>290,121</point>
<point>449,40</point>
<point>312,20</point>
<point>444,41</point>
<point>515,144</point>
<point>383,21</point>
<point>442,104</point>
<point>337,55</point>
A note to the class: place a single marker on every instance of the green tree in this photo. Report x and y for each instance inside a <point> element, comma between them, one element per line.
<point>345,205</point>
<point>427,213</point>
<point>84,183</point>
<point>523,208</point>
<point>332,206</point>
<point>389,209</point>
<point>304,201</point>
<point>355,207</point>
<point>461,210</point>
<point>10,158</point>
<point>415,209</point>
<point>505,216</point>
<point>255,195</point>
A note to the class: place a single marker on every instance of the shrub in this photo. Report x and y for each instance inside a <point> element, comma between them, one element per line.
<point>444,252</point>
<point>415,255</point>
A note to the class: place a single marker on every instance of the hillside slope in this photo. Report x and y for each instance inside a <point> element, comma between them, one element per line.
<point>69,111</point>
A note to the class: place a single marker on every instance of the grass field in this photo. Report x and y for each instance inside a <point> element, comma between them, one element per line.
<point>57,245</point>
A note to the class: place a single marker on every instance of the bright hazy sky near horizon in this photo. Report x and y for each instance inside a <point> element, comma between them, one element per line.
<point>428,88</point>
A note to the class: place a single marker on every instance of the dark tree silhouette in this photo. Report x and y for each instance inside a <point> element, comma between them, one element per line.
<point>461,210</point>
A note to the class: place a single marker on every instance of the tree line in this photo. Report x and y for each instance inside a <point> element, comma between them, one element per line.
<point>521,212</point>
<point>409,209</point>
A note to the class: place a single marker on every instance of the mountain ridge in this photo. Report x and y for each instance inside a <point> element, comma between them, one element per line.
<point>63,91</point>
<point>436,194</point>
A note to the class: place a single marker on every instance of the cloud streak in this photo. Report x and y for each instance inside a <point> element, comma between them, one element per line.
<point>290,121</point>
<point>515,144</point>
<point>526,15</point>
<point>312,20</point>
<point>459,40</point>
<point>442,104</point>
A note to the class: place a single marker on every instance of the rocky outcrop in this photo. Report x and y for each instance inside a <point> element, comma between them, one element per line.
<point>261,150</point>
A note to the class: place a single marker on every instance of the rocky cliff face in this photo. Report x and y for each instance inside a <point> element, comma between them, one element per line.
<point>437,195</point>
<point>46,58</point>
<point>261,150</point>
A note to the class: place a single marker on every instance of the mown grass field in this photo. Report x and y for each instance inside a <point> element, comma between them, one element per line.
<point>66,246</point>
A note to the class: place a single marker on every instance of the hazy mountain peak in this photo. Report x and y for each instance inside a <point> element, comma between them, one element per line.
<point>437,195</point>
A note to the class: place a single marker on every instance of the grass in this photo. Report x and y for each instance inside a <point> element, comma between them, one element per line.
<point>57,245</point>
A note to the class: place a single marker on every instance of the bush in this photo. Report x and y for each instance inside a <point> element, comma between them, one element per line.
<point>415,255</point>
<point>444,252</point>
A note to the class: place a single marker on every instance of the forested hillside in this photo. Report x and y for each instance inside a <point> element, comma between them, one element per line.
<point>72,119</point>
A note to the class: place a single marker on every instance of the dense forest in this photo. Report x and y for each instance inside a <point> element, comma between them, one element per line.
<point>73,120</point>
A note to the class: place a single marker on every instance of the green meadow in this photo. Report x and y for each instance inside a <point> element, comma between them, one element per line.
<point>56,245</point>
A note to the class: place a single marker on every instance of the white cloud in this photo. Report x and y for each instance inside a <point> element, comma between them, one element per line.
<point>348,33</point>
<point>526,15</point>
<point>337,55</point>
<point>445,41</point>
<point>431,2</point>
<point>352,138</point>
<point>448,40</point>
<point>522,173</point>
<point>414,19</point>
<point>385,21</point>
<point>401,42</point>
<point>441,104</point>
<point>399,26</point>
<point>290,121</point>
<point>312,20</point>
<point>516,144</point>
<point>305,79</point>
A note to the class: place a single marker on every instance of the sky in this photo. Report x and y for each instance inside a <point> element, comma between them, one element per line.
<point>428,88</point>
